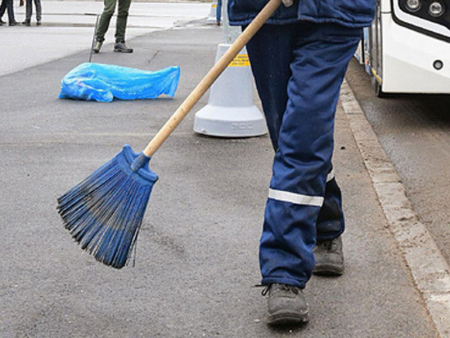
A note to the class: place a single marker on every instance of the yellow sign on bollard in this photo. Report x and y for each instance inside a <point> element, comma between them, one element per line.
<point>241,60</point>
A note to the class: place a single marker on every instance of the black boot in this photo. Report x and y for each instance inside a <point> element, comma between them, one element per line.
<point>286,305</point>
<point>329,257</point>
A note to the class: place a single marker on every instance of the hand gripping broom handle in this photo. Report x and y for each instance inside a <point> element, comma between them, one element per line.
<point>212,76</point>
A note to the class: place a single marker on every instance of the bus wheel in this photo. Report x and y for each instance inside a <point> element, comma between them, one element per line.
<point>377,88</point>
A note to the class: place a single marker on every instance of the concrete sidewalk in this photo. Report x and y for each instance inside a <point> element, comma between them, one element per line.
<point>68,28</point>
<point>197,254</point>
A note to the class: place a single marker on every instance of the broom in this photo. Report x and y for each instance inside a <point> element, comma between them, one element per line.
<point>104,212</point>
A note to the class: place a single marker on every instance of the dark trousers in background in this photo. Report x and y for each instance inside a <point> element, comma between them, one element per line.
<point>298,69</point>
<point>7,5</point>
<point>219,11</point>
<point>29,10</point>
<point>121,24</point>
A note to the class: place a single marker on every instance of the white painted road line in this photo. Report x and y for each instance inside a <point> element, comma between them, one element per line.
<point>428,267</point>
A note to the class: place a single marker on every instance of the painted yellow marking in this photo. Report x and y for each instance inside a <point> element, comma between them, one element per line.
<point>376,75</point>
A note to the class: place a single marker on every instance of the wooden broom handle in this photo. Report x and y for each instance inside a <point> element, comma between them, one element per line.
<point>212,76</point>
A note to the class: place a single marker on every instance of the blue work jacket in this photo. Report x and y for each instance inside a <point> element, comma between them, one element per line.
<point>350,13</point>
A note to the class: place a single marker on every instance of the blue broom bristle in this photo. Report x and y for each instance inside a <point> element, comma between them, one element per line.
<point>104,212</point>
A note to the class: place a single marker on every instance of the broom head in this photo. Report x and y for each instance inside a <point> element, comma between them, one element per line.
<point>104,212</point>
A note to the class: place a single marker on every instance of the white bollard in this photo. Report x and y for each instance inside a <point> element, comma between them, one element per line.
<point>230,111</point>
<point>212,14</point>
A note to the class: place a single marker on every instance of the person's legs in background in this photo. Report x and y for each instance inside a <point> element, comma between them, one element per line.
<point>38,5</point>
<point>122,18</point>
<point>28,12</point>
<point>10,8</point>
<point>219,12</point>
<point>103,24</point>
<point>2,11</point>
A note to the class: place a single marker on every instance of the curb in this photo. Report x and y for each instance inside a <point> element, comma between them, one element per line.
<point>429,269</point>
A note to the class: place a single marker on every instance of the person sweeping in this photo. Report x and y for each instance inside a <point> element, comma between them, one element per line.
<point>121,23</point>
<point>299,59</point>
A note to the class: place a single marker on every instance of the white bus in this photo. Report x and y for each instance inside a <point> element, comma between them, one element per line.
<point>407,48</point>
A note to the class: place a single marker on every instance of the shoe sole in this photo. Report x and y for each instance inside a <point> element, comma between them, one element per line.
<point>328,270</point>
<point>122,51</point>
<point>287,318</point>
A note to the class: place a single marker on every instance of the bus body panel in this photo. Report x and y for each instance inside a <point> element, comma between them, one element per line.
<point>408,58</point>
<point>385,6</point>
<point>400,59</point>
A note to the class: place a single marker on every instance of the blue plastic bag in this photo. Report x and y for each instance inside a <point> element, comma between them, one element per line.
<point>103,83</point>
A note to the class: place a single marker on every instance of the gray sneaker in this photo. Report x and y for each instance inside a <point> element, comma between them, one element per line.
<point>329,257</point>
<point>97,46</point>
<point>121,47</point>
<point>286,305</point>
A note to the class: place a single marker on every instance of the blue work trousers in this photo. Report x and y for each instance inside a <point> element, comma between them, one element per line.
<point>298,70</point>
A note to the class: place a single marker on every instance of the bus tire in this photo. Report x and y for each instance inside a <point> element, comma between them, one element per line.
<point>377,88</point>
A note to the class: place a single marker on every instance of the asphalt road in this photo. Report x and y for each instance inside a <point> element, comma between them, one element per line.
<point>196,260</point>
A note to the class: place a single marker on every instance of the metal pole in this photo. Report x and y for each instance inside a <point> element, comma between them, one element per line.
<point>93,37</point>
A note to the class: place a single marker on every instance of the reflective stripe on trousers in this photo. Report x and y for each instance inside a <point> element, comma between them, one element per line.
<point>309,60</point>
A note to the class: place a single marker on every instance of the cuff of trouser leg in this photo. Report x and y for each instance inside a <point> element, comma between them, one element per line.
<point>328,236</point>
<point>283,280</point>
